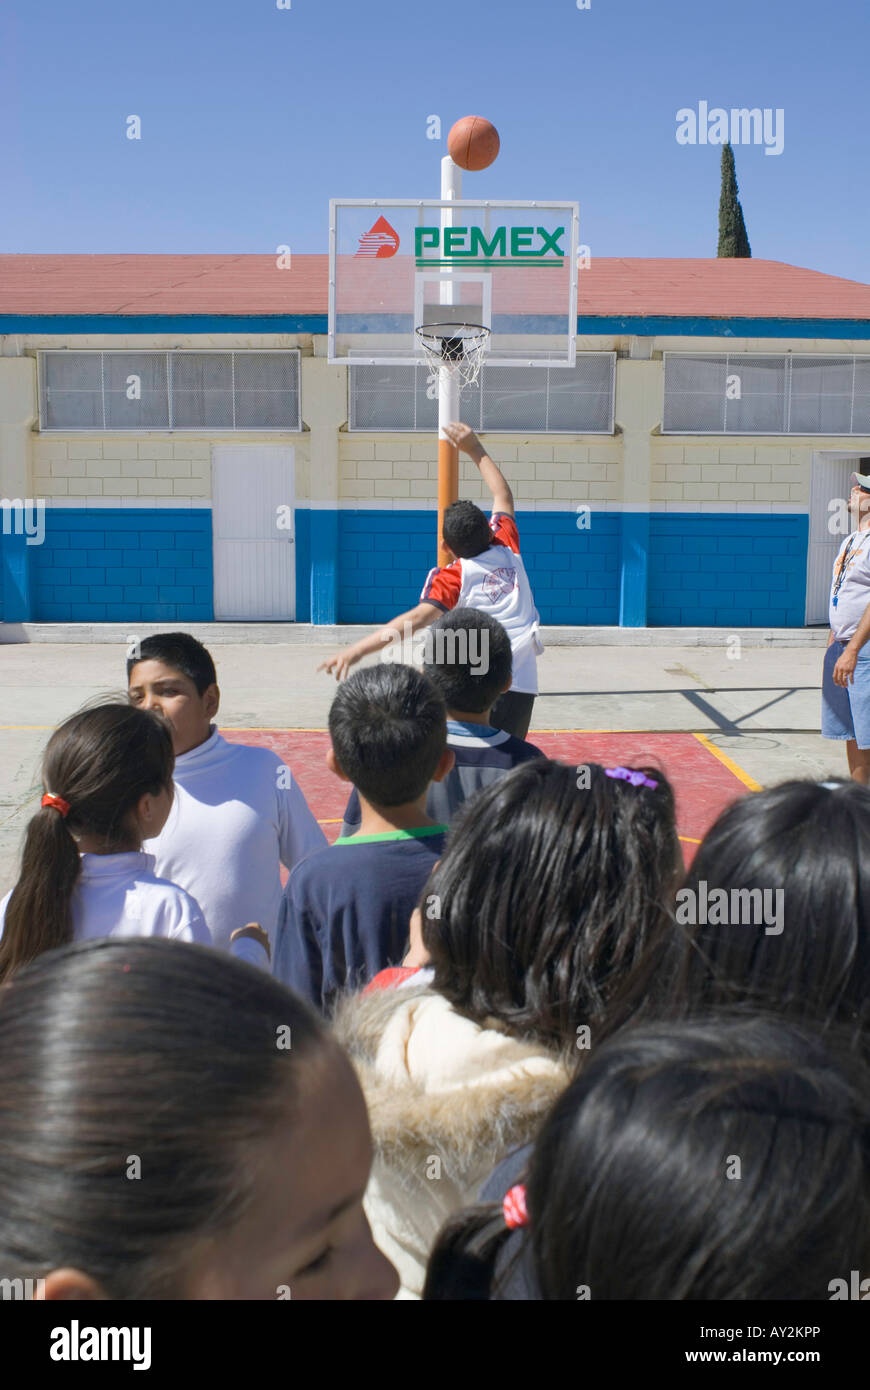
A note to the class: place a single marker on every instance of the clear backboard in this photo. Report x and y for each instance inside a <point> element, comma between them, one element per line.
<point>511,267</point>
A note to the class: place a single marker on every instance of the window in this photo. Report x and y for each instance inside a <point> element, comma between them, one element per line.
<point>756,393</point>
<point>116,391</point>
<point>551,400</point>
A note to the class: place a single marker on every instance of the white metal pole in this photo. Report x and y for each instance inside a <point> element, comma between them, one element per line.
<point>448,384</point>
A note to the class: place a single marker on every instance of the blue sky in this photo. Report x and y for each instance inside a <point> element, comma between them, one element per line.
<point>254,116</point>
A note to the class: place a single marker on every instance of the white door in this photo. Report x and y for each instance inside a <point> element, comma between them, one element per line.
<point>253,530</point>
<point>831,479</point>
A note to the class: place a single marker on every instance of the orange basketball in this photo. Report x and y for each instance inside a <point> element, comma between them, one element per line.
<point>473,143</point>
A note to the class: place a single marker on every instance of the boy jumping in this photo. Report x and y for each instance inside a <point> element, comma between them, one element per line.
<point>485,571</point>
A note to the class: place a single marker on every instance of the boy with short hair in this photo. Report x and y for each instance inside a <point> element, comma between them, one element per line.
<point>346,910</point>
<point>485,572</point>
<point>234,819</point>
<point>468,658</point>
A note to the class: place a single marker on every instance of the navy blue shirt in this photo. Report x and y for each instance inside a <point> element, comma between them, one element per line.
<point>346,910</point>
<point>483,755</point>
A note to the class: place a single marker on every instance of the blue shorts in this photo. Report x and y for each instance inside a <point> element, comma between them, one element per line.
<point>846,709</point>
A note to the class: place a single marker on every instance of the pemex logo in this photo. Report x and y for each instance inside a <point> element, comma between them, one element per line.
<point>381,241</point>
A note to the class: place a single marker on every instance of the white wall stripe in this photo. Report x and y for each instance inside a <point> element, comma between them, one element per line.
<point>403,504</point>
<point>137,503</point>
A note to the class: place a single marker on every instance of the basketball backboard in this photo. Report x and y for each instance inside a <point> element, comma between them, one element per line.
<point>511,267</point>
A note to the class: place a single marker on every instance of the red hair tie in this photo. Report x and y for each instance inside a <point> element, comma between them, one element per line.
<point>514,1207</point>
<point>57,802</point>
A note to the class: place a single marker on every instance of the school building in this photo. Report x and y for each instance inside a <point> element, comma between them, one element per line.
<point>175,447</point>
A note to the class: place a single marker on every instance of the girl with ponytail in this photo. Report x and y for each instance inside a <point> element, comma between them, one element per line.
<point>107,778</point>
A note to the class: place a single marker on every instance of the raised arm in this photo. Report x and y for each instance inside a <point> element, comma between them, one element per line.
<point>464,439</point>
<point>415,618</point>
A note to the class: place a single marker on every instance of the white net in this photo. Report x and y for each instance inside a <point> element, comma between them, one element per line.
<point>456,348</point>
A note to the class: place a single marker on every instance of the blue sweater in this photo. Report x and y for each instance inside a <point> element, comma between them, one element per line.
<point>346,910</point>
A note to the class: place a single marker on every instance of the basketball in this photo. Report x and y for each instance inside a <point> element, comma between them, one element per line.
<point>473,143</point>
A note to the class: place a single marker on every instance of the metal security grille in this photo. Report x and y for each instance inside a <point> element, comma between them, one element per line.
<point>755,393</point>
<point>551,400</point>
<point>118,391</point>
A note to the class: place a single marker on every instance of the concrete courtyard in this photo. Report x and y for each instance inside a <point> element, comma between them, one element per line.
<point>754,694</point>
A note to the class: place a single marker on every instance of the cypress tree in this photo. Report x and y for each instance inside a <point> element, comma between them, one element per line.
<point>733,240</point>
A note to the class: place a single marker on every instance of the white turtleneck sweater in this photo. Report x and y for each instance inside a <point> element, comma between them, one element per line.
<point>232,823</point>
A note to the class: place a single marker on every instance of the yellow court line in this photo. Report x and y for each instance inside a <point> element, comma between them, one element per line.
<point>744,777</point>
<point>337,820</point>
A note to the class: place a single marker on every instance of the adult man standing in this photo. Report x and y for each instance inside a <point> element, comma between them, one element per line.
<point>846,672</point>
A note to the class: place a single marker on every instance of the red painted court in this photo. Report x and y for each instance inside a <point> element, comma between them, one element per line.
<point>704,779</point>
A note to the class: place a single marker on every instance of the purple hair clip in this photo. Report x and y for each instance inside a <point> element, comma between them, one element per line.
<point>637,779</point>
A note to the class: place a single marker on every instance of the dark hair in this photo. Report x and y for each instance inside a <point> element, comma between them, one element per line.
<point>720,1159</point>
<point>388,726</point>
<point>101,761</point>
<point>548,890</point>
<point>466,530</point>
<point>810,844</point>
<point>180,651</point>
<point>468,657</point>
<point>150,1048</point>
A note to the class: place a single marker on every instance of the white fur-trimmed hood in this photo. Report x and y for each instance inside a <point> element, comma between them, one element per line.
<point>438,1084</point>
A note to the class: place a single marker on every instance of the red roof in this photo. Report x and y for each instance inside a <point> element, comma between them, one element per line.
<point>216,285</point>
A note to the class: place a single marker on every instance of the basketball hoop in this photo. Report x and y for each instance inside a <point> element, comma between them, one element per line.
<point>455,348</point>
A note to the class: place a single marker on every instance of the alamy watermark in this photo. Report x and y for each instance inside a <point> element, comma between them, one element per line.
<point>24,517</point>
<point>439,647</point>
<point>741,907</point>
<point>77,1343</point>
<point>855,1288</point>
<point>740,126</point>
<point>22,1290</point>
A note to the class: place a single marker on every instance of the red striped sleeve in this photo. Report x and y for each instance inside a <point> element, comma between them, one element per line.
<point>443,585</point>
<point>504,529</point>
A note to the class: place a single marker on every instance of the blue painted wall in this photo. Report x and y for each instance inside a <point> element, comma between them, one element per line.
<point>384,558</point>
<point>727,571</point>
<point>302,523</point>
<point>714,570</point>
<point>108,565</point>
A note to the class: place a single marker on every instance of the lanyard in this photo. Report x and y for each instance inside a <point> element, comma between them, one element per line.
<point>841,573</point>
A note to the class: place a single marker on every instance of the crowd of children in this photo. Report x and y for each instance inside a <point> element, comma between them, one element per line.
<point>487,1045</point>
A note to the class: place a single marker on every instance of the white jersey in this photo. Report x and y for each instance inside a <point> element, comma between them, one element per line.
<point>495,582</point>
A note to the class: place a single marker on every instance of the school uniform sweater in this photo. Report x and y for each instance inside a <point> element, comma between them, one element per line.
<point>121,895</point>
<point>232,823</point>
<point>346,911</point>
<point>483,756</point>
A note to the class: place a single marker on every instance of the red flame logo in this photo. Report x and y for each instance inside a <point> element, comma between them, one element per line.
<point>381,241</point>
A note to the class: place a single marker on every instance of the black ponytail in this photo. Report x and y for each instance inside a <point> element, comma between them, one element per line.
<point>100,762</point>
<point>462,1265</point>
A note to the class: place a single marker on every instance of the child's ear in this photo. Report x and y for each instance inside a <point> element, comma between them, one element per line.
<point>145,812</point>
<point>63,1284</point>
<point>445,764</point>
<point>505,688</point>
<point>212,699</point>
<point>334,765</point>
